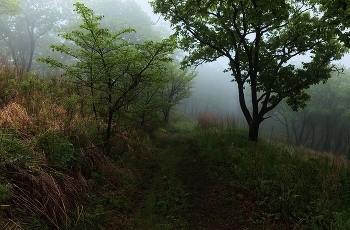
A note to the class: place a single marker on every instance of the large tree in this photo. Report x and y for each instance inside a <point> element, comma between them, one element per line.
<point>259,39</point>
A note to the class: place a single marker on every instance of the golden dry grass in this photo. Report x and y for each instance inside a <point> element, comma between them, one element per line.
<point>15,117</point>
<point>51,117</point>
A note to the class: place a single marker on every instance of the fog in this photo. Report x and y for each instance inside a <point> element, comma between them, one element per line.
<point>213,91</point>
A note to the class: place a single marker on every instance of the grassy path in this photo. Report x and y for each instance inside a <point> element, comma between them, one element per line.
<point>210,208</point>
<point>183,194</point>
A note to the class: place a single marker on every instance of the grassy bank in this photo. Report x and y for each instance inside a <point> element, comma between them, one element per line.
<point>190,174</point>
<point>216,179</point>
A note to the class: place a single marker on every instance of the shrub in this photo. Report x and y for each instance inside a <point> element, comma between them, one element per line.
<point>12,150</point>
<point>59,152</point>
<point>5,192</point>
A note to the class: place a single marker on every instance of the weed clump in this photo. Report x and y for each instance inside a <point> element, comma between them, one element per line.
<point>58,151</point>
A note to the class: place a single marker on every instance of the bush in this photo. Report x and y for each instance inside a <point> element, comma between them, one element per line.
<point>12,150</point>
<point>5,192</point>
<point>59,152</point>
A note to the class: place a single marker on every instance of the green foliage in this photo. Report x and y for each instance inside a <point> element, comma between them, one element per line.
<point>10,7</point>
<point>5,192</point>
<point>114,71</point>
<point>288,185</point>
<point>258,39</point>
<point>177,87</point>
<point>337,12</point>
<point>59,152</point>
<point>13,150</point>
<point>8,85</point>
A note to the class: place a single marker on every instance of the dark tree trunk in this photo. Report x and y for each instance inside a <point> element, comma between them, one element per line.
<point>301,135</point>
<point>166,113</point>
<point>31,54</point>
<point>327,139</point>
<point>338,140</point>
<point>313,137</point>
<point>319,142</point>
<point>107,143</point>
<point>254,131</point>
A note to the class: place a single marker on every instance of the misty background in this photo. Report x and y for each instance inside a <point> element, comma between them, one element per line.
<point>27,37</point>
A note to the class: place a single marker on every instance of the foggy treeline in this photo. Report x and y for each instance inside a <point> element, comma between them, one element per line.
<point>28,34</point>
<point>322,125</point>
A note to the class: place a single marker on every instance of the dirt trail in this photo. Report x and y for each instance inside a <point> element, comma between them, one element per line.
<point>209,199</point>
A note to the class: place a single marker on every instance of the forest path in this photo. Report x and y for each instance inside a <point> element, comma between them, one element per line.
<point>185,192</point>
<point>209,199</point>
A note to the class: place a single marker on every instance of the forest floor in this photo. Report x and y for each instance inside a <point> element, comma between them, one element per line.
<point>216,179</point>
<point>208,198</point>
<point>187,195</point>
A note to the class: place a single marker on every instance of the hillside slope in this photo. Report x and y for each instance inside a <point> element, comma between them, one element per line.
<point>216,179</point>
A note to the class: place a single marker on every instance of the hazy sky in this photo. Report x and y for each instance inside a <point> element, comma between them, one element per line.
<point>147,8</point>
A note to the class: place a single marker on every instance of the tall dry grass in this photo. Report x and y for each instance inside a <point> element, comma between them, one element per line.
<point>209,120</point>
<point>42,191</point>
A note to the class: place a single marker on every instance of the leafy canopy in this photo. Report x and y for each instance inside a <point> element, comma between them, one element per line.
<point>259,39</point>
<point>114,71</point>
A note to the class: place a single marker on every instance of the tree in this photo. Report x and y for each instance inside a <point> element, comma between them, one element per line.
<point>21,32</point>
<point>324,123</point>
<point>160,97</point>
<point>177,88</point>
<point>115,71</point>
<point>258,38</point>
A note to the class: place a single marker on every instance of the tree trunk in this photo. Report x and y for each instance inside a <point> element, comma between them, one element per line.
<point>254,131</point>
<point>166,113</point>
<point>107,143</point>
<point>313,137</point>
<point>327,140</point>
<point>31,54</point>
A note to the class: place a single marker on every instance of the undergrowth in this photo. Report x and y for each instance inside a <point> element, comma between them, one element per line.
<point>277,186</point>
<point>55,174</point>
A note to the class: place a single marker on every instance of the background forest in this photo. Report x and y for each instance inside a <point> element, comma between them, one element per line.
<point>106,124</point>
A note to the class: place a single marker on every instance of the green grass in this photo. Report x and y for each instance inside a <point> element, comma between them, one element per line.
<point>153,184</point>
<point>287,188</point>
<point>166,203</point>
<point>271,185</point>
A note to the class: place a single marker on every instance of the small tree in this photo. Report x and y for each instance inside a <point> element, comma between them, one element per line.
<point>115,71</point>
<point>153,107</point>
<point>178,87</point>
<point>258,39</point>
